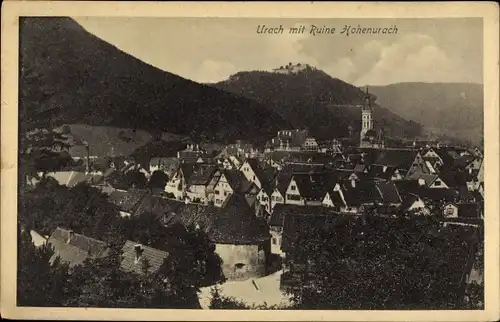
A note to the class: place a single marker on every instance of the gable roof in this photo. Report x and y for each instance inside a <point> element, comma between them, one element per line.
<point>397,158</point>
<point>313,186</point>
<point>265,176</point>
<point>388,192</point>
<point>237,181</point>
<point>233,223</point>
<point>76,249</point>
<point>363,192</point>
<point>155,258</point>
<point>202,174</point>
<point>126,200</point>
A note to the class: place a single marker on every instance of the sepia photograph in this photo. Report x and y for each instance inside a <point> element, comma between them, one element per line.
<point>244,163</point>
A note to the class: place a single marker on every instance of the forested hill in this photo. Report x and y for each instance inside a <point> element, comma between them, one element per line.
<point>309,98</point>
<point>68,75</point>
<point>451,109</point>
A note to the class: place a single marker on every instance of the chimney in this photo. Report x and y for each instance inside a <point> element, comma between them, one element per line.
<point>138,252</point>
<point>87,158</point>
<point>71,234</point>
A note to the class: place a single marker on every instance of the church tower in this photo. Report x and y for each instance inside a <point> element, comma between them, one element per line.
<point>366,115</point>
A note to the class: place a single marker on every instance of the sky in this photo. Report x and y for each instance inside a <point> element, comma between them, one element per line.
<point>209,50</point>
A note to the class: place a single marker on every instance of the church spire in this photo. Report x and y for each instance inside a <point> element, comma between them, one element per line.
<point>367,98</point>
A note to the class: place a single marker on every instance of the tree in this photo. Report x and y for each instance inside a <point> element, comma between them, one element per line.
<point>354,265</point>
<point>40,282</point>
<point>158,180</point>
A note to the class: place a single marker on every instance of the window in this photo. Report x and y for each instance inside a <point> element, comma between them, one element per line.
<point>437,183</point>
<point>293,197</point>
<point>293,188</point>
<point>217,201</point>
<point>239,266</point>
<point>225,193</point>
<point>216,192</point>
<point>278,198</point>
<point>274,241</point>
<point>253,178</point>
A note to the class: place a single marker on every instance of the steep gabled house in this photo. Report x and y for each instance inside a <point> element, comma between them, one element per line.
<point>232,181</point>
<point>254,172</point>
<point>307,189</point>
<point>178,183</point>
<point>278,195</point>
<point>73,248</point>
<point>199,181</point>
<point>334,199</point>
<point>139,259</point>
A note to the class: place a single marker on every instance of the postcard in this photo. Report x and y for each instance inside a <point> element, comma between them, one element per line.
<point>250,161</point>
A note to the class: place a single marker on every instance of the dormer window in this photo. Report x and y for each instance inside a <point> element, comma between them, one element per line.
<point>138,253</point>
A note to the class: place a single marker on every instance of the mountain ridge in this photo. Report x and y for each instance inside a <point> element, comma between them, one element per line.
<point>310,98</point>
<point>453,109</point>
<point>68,74</point>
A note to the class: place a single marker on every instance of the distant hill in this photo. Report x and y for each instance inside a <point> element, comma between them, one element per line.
<point>450,109</point>
<point>309,98</point>
<point>68,75</point>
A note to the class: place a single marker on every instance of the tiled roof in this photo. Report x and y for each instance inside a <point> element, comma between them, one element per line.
<point>154,257</point>
<point>363,192</point>
<point>202,174</point>
<point>237,181</point>
<point>400,159</point>
<point>388,191</point>
<point>453,177</point>
<point>156,205</point>
<point>126,200</point>
<point>234,223</point>
<point>265,175</point>
<point>315,185</point>
<point>77,249</point>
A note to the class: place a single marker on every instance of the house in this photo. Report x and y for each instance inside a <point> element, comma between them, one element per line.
<point>461,209</point>
<point>310,144</point>
<point>192,154</point>
<point>73,248</point>
<point>399,159</point>
<point>307,189</point>
<point>126,201</point>
<point>232,181</point>
<point>278,195</point>
<point>178,183</point>
<point>254,172</point>
<point>199,181</point>
<point>429,180</point>
<point>356,194</point>
<point>241,239</point>
<point>168,165</point>
<point>140,259</point>
<point>289,140</point>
